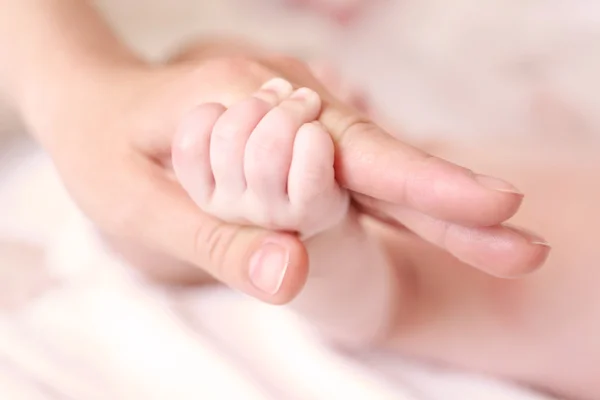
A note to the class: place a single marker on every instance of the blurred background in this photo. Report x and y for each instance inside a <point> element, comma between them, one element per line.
<point>437,71</point>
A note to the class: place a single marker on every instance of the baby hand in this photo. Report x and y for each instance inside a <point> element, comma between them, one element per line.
<point>264,161</point>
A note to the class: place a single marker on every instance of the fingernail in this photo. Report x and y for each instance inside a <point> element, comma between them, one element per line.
<point>541,242</point>
<point>531,236</point>
<point>280,86</point>
<point>308,96</point>
<point>268,267</point>
<point>496,184</point>
<point>304,94</point>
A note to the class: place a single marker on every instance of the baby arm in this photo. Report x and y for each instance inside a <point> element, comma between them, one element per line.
<point>265,162</point>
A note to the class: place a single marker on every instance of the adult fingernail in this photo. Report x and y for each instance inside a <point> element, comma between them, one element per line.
<point>496,184</point>
<point>268,267</point>
<point>531,236</point>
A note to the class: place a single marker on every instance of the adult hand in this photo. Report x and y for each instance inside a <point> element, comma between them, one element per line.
<point>445,204</point>
<point>112,148</point>
<point>450,206</point>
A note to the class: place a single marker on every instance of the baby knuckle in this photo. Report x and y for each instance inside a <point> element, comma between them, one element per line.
<point>283,120</point>
<point>263,150</point>
<point>256,105</point>
<point>225,134</point>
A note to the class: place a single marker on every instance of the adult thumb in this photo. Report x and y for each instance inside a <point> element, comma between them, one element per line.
<point>270,266</point>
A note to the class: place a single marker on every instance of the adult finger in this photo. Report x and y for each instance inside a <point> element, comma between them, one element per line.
<point>372,162</point>
<point>266,265</point>
<point>503,251</point>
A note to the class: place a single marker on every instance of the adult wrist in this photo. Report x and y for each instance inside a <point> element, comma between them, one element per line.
<point>49,102</point>
<point>63,48</point>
